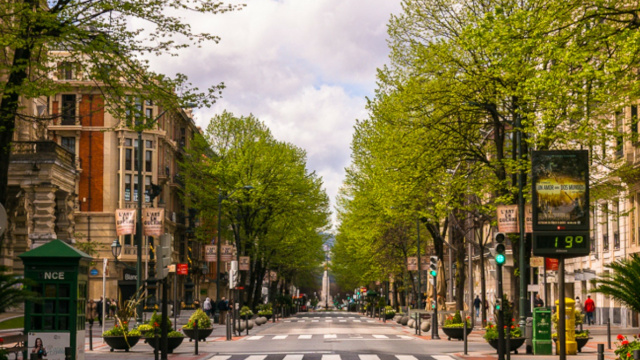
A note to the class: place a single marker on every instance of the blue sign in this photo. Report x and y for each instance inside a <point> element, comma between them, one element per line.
<point>93,272</point>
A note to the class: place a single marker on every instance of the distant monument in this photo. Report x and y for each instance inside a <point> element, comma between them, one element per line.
<point>326,299</point>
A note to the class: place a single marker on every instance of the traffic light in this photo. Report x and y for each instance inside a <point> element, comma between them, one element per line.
<point>498,304</point>
<point>163,256</point>
<point>500,248</point>
<point>433,266</point>
<point>233,275</point>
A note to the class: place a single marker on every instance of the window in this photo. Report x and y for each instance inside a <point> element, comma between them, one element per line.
<point>127,159</point>
<point>149,144</point>
<point>128,142</point>
<point>69,143</point>
<point>149,113</point>
<point>128,240</point>
<point>147,186</point>
<point>619,135</point>
<point>634,123</point>
<point>604,218</point>
<point>66,70</point>
<point>127,187</point>
<point>52,311</point>
<point>68,109</point>
<point>147,161</point>
<point>594,227</point>
<point>135,188</point>
<point>615,223</point>
<point>632,219</point>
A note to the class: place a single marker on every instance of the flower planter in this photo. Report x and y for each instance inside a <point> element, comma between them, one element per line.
<point>389,315</point>
<point>455,332</point>
<point>120,343</point>
<point>172,343</point>
<point>202,333</point>
<point>514,344</point>
<point>580,341</point>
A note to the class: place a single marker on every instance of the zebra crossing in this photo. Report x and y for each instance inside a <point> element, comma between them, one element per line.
<point>329,336</point>
<point>321,356</point>
<point>325,319</point>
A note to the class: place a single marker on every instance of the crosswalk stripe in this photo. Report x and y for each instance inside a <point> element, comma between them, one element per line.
<point>328,320</point>
<point>371,321</point>
<point>301,320</point>
<point>442,357</point>
<point>256,357</point>
<point>280,337</point>
<point>405,337</point>
<point>287,321</point>
<point>357,321</point>
<point>293,357</point>
<point>330,336</point>
<point>304,337</point>
<point>331,357</point>
<point>219,357</point>
<point>315,320</point>
<point>342,320</point>
<point>380,336</point>
<point>406,357</point>
<point>257,337</point>
<point>368,357</point>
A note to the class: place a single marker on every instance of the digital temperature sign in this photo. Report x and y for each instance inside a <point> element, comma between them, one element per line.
<point>564,244</point>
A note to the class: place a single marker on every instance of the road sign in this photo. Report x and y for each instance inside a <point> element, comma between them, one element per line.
<point>536,261</point>
<point>183,269</point>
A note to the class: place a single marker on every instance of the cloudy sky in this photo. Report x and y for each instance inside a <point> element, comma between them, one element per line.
<point>304,67</point>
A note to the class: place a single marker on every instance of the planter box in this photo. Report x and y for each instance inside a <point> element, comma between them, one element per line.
<point>172,343</point>
<point>389,316</point>
<point>120,343</point>
<point>455,332</point>
<point>514,344</point>
<point>202,333</point>
<point>580,341</point>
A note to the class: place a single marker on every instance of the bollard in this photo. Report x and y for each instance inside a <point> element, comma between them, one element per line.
<point>464,336</point>
<point>636,354</point>
<point>228,324</point>
<point>195,329</point>
<point>507,345</point>
<point>419,327</point>
<point>609,334</point>
<point>600,351</point>
<point>246,324</point>
<point>156,338</point>
<point>91,336</point>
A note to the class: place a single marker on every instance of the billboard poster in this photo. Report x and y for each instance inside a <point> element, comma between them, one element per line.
<point>528,218</point>
<point>243,264</point>
<point>507,218</point>
<point>125,221</point>
<point>210,253</point>
<point>412,263</point>
<point>49,345</point>
<point>153,221</point>
<point>560,189</point>
<point>226,252</point>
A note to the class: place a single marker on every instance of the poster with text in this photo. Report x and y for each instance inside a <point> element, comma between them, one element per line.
<point>153,221</point>
<point>560,189</point>
<point>49,345</point>
<point>528,218</point>
<point>125,221</point>
<point>412,263</point>
<point>507,218</point>
<point>210,253</point>
<point>226,253</point>
<point>243,264</point>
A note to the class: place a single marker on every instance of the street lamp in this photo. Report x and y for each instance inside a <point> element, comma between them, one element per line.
<point>221,197</point>
<point>140,194</point>
<point>116,249</point>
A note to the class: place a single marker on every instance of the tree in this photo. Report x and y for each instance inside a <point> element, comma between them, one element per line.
<point>622,282</point>
<point>103,41</point>
<point>12,291</point>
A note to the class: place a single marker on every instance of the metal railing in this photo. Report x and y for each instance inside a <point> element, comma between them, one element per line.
<point>45,151</point>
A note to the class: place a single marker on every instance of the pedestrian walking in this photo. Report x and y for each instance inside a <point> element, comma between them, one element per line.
<point>538,301</point>
<point>589,308</point>
<point>206,306</point>
<point>578,306</point>
<point>113,308</point>
<point>223,307</point>
<point>99,305</point>
<point>476,304</point>
<point>92,311</point>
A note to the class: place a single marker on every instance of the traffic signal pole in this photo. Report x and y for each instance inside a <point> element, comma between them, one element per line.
<point>499,313</point>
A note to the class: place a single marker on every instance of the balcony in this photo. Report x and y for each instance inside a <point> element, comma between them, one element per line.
<point>37,152</point>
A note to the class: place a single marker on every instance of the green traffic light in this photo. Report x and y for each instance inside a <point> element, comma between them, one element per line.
<point>433,273</point>
<point>500,259</point>
<point>498,307</point>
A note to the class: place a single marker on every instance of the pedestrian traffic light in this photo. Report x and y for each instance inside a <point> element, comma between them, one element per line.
<point>498,304</point>
<point>233,275</point>
<point>163,256</point>
<point>500,248</point>
<point>433,266</point>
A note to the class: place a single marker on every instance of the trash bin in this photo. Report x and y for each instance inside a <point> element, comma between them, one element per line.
<point>542,331</point>
<point>528,334</point>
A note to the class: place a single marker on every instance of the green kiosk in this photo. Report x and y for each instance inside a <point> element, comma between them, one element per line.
<point>55,325</point>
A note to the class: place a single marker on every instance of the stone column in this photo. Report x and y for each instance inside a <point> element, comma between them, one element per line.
<point>43,217</point>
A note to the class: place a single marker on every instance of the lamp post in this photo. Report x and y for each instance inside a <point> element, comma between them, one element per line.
<point>221,197</point>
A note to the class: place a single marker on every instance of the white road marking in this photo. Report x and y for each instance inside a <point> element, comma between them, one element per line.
<point>380,336</point>
<point>293,357</point>
<point>315,320</point>
<point>256,357</point>
<point>280,337</point>
<point>304,337</point>
<point>406,357</point>
<point>342,320</point>
<point>331,357</point>
<point>405,337</point>
<point>301,320</point>
<point>369,357</point>
<point>442,357</point>
<point>219,357</point>
<point>255,337</point>
<point>357,321</point>
<point>330,336</point>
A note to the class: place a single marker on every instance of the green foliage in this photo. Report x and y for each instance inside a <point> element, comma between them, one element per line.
<point>623,282</point>
<point>625,348</point>
<point>455,321</point>
<point>491,331</point>
<point>199,316</point>
<point>175,334</point>
<point>245,311</point>
<point>12,290</point>
<point>156,321</point>
<point>578,318</point>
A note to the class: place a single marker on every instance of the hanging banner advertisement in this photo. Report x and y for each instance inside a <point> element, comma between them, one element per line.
<point>210,253</point>
<point>49,345</point>
<point>412,263</point>
<point>274,275</point>
<point>560,189</point>
<point>153,221</point>
<point>182,269</point>
<point>552,264</point>
<point>424,263</point>
<point>125,221</point>
<point>528,218</point>
<point>226,253</point>
<point>243,264</point>
<point>507,218</point>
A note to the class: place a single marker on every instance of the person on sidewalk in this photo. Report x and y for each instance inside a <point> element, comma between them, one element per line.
<point>223,307</point>
<point>578,307</point>
<point>206,306</point>
<point>92,312</point>
<point>476,304</point>
<point>99,306</point>
<point>589,308</point>
<point>537,302</point>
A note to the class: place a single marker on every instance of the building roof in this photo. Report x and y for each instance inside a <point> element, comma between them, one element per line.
<point>55,249</point>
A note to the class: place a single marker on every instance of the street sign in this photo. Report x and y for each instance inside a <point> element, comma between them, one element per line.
<point>536,261</point>
<point>182,269</point>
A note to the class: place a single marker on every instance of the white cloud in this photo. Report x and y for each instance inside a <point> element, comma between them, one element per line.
<point>303,67</point>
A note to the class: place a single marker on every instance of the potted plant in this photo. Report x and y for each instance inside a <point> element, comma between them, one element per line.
<point>515,336</point>
<point>246,313</point>
<point>153,332</point>
<point>204,326</point>
<point>119,337</point>
<point>625,348</point>
<point>582,336</point>
<point>265,310</point>
<point>453,326</point>
<point>389,312</point>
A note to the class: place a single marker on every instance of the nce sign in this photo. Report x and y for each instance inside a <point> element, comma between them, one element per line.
<point>52,275</point>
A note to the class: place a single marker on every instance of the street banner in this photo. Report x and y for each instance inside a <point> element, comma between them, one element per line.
<point>560,190</point>
<point>153,221</point>
<point>182,269</point>
<point>552,264</point>
<point>125,221</point>
<point>536,261</point>
<point>528,218</point>
<point>412,263</point>
<point>507,218</point>
<point>424,263</point>
<point>274,275</point>
<point>244,263</point>
<point>226,253</point>
<point>210,253</point>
